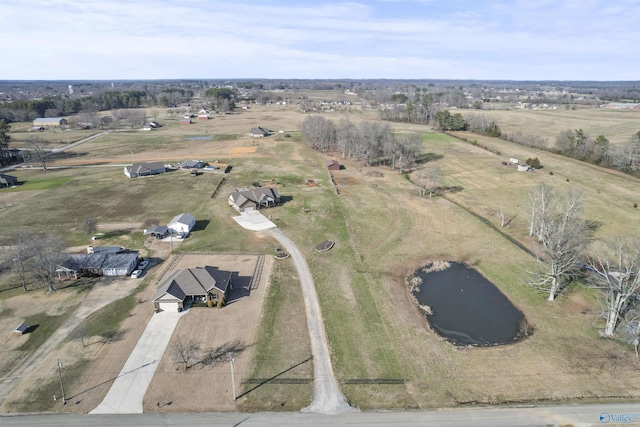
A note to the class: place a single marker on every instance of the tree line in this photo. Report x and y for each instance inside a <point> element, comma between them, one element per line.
<point>568,253</point>
<point>372,142</point>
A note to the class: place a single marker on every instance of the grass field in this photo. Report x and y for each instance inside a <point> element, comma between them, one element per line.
<point>617,125</point>
<point>383,231</point>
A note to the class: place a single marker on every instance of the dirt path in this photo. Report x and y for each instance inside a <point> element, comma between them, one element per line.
<point>327,397</point>
<point>97,298</point>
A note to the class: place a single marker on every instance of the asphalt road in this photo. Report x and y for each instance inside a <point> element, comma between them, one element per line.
<point>327,397</point>
<point>566,415</point>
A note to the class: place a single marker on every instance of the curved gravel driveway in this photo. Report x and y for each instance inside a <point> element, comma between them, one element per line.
<point>327,397</point>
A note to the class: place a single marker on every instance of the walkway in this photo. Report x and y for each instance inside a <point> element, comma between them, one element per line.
<point>127,391</point>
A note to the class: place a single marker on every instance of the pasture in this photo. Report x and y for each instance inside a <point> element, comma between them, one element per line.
<point>384,230</point>
<point>616,125</point>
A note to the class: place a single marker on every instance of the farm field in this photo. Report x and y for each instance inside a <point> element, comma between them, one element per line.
<point>383,231</point>
<point>616,125</point>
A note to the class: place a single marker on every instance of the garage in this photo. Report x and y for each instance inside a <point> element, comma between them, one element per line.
<point>168,306</point>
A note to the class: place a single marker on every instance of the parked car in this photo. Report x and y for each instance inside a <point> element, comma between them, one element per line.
<point>143,264</point>
<point>136,274</point>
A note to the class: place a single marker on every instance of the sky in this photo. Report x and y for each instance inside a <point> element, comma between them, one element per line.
<point>320,39</point>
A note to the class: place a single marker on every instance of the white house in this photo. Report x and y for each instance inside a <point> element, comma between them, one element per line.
<point>182,224</point>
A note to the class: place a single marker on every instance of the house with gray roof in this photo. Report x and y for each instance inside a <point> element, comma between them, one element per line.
<point>99,264</point>
<point>254,199</point>
<point>178,288</point>
<point>7,181</point>
<point>137,170</point>
<point>259,132</point>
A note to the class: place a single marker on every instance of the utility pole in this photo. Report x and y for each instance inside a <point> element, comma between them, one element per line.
<point>64,399</point>
<point>233,383</point>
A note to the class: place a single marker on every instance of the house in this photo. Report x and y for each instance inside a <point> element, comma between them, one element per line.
<point>180,287</point>
<point>192,164</point>
<point>137,170</point>
<point>185,121</point>
<point>333,165</point>
<point>50,121</point>
<point>99,264</point>
<point>259,132</point>
<point>7,181</point>
<point>254,199</point>
<point>182,224</point>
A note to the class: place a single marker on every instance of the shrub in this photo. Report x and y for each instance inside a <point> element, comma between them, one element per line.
<point>635,205</point>
<point>550,173</point>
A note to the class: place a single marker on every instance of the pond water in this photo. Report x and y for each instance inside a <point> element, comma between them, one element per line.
<point>467,309</point>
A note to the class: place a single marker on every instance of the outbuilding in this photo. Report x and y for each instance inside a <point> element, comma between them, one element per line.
<point>333,165</point>
<point>7,181</point>
<point>182,224</point>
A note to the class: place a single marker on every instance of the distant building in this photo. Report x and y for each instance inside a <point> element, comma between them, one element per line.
<point>259,132</point>
<point>7,181</point>
<point>333,165</point>
<point>137,170</point>
<point>50,121</point>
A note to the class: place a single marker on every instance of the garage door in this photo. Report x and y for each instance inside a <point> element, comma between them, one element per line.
<point>168,306</point>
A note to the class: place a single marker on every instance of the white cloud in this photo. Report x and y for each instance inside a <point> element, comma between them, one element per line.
<point>63,39</point>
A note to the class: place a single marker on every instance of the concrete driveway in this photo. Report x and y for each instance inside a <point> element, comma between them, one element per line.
<point>127,391</point>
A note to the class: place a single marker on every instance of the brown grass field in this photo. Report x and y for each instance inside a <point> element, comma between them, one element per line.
<point>617,125</point>
<point>384,230</point>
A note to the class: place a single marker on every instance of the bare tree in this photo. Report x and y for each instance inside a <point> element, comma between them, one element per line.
<point>562,240</point>
<point>22,251</point>
<point>48,255</point>
<point>500,212</point>
<point>184,350</point>
<point>539,208</point>
<point>430,179</point>
<point>38,150</point>
<point>614,268</point>
<point>631,329</point>
<point>89,225</point>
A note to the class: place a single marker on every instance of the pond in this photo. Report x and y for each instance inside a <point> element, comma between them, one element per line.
<point>465,308</point>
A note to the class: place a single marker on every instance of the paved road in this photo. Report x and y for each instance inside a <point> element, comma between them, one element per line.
<point>127,392</point>
<point>327,397</point>
<point>97,298</point>
<point>566,415</point>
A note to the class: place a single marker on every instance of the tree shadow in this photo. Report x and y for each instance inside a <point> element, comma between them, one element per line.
<point>215,355</point>
<point>428,157</point>
<point>266,381</point>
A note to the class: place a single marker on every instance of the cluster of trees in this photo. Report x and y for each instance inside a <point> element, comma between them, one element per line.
<point>38,257</point>
<point>479,123</point>
<point>578,144</point>
<point>568,252</point>
<point>423,108</point>
<point>4,143</point>
<point>533,141</point>
<point>371,142</point>
<point>447,121</point>
<point>221,99</point>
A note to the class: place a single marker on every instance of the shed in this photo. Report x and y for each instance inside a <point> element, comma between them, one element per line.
<point>259,132</point>
<point>333,165</point>
<point>185,121</point>
<point>22,329</point>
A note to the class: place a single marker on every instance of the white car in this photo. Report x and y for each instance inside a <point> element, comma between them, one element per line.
<point>136,274</point>
<point>143,265</point>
